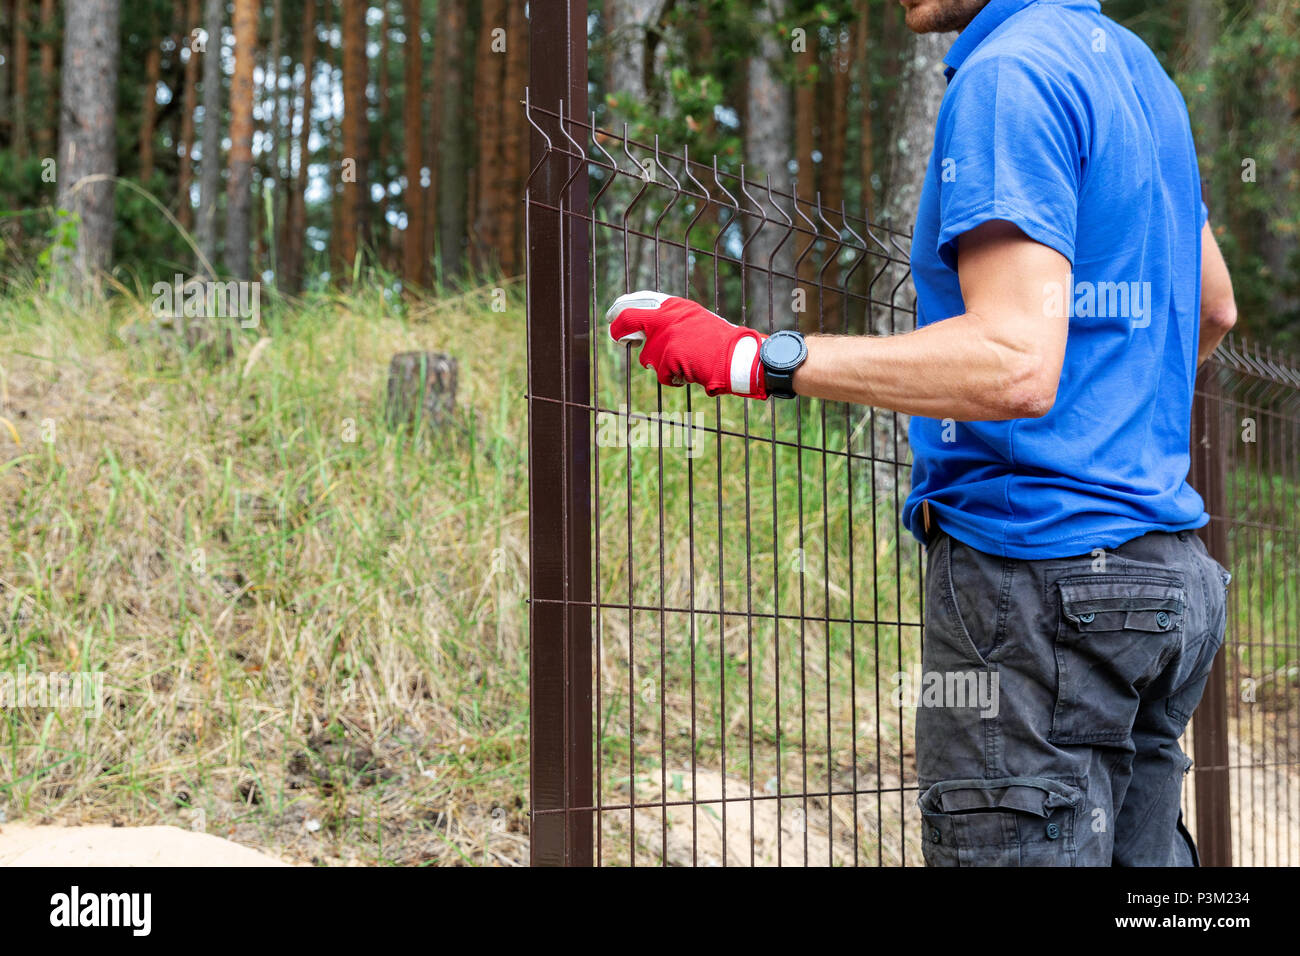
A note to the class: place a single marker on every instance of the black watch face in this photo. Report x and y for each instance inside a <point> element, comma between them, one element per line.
<point>782,351</point>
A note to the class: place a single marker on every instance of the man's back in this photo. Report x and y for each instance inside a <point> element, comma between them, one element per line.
<point>1062,122</point>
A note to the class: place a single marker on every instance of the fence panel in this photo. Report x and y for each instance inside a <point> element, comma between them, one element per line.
<point>755,598</point>
<point>726,614</point>
<point>1253,420</point>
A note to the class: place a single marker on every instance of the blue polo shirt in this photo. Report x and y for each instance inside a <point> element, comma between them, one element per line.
<point>1061,121</point>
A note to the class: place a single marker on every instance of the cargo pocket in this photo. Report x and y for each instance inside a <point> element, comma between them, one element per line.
<point>1009,821</point>
<point>1116,634</point>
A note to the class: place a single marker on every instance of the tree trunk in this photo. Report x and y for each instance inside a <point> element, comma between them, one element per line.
<point>629,84</point>
<point>335,139</point>
<point>912,131</point>
<point>185,173</point>
<point>433,161</point>
<point>413,239</point>
<point>831,313</point>
<point>452,212</point>
<point>488,117</point>
<point>296,218</point>
<point>383,241</point>
<point>6,114</point>
<point>629,46</point>
<point>49,92</point>
<point>149,106</point>
<point>767,138</point>
<point>353,215</point>
<point>866,159</point>
<point>239,202</point>
<point>1277,179</point>
<point>284,186</point>
<point>840,68</point>
<point>515,146</point>
<point>421,389</point>
<point>86,137</point>
<point>210,171</point>
<point>911,138</point>
<point>274,132</point>
<point>805,126</point>
<point>22,55</point>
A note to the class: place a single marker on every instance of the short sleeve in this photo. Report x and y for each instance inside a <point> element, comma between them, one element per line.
<point>1008,146</point>
<point>1205,215</point>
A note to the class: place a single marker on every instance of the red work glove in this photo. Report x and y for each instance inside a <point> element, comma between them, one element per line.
<point>685,342</point>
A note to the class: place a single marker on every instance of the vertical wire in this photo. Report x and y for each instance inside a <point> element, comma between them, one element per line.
<point>1294,511</point>
<point>528,386</point>
<point>875,612</point>
<point>663,614</point>
<point>853,617</point>
<point>565,543</point>
<point>1230,508</point>
<point>898,556</point>
<point>1258,637</point>
<point>690,520</point>
<point>1270,509</point>
<point>598,605</point>
<point>831,258</point>
<point>722,579</point>
<point>631,564</point>
<point>1294,432</point>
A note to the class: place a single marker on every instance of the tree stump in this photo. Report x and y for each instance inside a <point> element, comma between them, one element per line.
<point>213,339</point>
<point>421,389</point>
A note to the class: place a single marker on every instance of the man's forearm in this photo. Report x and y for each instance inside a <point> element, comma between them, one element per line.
<point>960,368</point>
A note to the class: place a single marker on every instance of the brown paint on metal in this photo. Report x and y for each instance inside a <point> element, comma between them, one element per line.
<point>1210,721</point>
<point>559,450</point>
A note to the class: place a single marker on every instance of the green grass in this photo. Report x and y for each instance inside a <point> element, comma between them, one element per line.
<point>1264,606</point>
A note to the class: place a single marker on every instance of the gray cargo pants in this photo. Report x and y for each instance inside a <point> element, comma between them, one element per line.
<point>1055,694</point>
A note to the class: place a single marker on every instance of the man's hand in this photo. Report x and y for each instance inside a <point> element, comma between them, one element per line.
<point>686,343</point>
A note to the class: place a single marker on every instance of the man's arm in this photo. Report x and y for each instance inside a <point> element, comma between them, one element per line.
<point>1000,359</point>
<point>1218,307</point>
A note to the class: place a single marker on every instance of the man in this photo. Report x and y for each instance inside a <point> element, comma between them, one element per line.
<point>1068,285</point>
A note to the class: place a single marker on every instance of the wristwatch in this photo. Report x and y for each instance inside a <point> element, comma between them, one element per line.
<point>781,355</point>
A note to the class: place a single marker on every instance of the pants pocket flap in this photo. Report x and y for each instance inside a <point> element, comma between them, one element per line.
<point>1107,604</point>
<point>1025,794</point>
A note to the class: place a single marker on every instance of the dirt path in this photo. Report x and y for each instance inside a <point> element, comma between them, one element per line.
<point>22,845</point>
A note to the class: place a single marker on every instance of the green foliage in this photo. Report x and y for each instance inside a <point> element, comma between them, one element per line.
<point>1244,113</point>
<point>26,210</point>
<point>61,236</point>
<point>1251,167</point>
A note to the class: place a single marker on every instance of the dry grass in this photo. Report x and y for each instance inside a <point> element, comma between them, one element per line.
<point>312,644</point>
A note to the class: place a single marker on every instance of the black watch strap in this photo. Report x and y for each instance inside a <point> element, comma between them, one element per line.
<point>779,384</point>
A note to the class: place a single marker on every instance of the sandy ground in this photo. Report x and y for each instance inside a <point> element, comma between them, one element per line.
<point>22,845</point>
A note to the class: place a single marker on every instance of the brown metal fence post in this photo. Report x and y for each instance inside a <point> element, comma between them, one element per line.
<point>1210,721</point>
<point>560,751</point>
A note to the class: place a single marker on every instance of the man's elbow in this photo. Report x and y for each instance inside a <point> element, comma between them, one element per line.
<point>1031,392</point>
<point>1032,402</point>
<point>1221,316</point>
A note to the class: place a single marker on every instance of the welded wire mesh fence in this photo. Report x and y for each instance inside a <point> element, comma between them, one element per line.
<point>725,607</point>
<point>1257,435</point>
<point>754,594</point>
